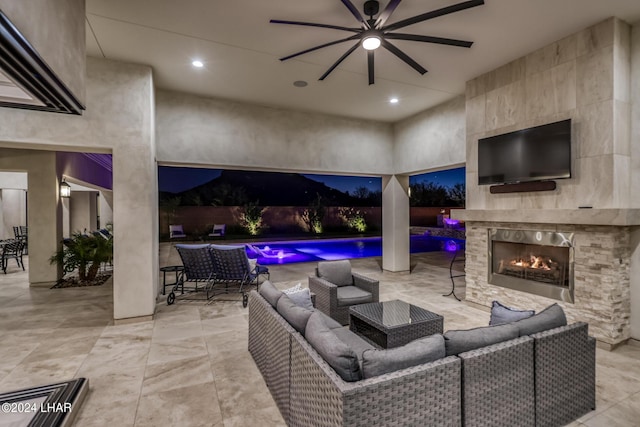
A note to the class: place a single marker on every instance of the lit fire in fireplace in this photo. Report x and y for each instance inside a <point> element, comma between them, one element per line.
<point>536,262</point>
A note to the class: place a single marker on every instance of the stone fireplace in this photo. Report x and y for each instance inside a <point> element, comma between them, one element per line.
<point>599,242</point>
<point>584,77</point>
<point>534,261</point>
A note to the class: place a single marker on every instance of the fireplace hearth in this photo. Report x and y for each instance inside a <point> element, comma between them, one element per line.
<point>538,262</point>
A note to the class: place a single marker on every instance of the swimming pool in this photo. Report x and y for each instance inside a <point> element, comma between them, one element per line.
<point>325,250</point>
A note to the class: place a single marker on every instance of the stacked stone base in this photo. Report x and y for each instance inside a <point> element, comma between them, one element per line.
<point>601,277</point>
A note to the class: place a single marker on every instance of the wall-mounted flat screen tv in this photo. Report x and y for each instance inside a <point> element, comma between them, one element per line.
<point>535,154</point>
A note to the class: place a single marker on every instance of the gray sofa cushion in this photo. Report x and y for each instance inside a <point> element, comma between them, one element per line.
<point>336,272</point>
<point>466,340</point>
<point>331,323</point>
<point>423,350</point>
<point>549,318</point>
<point>502,314</point>
<point>352,295</point>
<point>336,353</point>
<point>353,341</point>
<point>294,314</point>
<point>270,293</point>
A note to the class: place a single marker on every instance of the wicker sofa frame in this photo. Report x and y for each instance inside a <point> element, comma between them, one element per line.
<point>308,391</point>
<point>546,380</point>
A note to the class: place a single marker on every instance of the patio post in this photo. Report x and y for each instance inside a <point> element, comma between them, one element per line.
<point>395,223</point>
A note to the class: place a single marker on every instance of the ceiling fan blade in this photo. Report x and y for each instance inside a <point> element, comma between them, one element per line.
<point>342,58</point>
<point>434,14</point>
<point>355,12</point>
<point>428,39</point>
<point>370,66</point>
<point>386,13</point>
<point>313,24</point>
<point>400,54</point>
<point>357,36</point>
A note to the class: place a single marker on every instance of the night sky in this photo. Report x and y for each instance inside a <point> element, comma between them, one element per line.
<point>177,179</point>
<point>446,178</point>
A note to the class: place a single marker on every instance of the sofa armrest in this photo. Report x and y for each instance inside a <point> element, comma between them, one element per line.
<point>270,347</point>
<point>326,299</point>
<point>498,385</point>
<point>565,360</point>
<point>368,284</point>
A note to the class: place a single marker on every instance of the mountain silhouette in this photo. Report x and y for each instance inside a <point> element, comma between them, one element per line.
<point>266,188</point>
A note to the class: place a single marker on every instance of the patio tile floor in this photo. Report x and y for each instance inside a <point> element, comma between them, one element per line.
<point>190,365</point>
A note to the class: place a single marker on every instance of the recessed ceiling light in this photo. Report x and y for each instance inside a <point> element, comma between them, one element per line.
<point>393,100</point>
<point>300,83</point>
<point>197,63</point>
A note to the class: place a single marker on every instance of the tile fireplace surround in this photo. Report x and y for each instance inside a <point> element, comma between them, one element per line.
<point>602,264</point>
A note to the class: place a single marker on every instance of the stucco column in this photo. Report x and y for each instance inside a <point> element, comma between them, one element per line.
<point>634,277</point>
<point>395,223</point>
<point>45,216</point>
<point>66,218</point>
<point>135,236</point>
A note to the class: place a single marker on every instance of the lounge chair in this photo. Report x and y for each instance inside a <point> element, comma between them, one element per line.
<point>198,269</point>
<point>218,230</point>
<point>233,271</point>
<point>176,232</point>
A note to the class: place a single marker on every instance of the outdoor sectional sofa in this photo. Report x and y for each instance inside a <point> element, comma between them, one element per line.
<point>543,379</point>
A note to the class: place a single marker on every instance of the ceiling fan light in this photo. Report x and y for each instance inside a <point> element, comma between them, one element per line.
<point>371,42</point>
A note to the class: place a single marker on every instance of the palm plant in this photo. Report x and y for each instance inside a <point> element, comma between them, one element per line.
<point>85,253</point>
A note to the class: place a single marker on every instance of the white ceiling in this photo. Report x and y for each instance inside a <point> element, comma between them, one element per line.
<point>240,48</point>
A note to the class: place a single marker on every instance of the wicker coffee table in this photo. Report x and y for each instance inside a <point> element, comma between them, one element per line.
<point>393,323</point>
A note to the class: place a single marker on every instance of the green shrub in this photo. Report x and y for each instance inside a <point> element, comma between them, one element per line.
<point>251,218</point>
<point>85,253</point>
<point>353,219</point>
<point>314,215</point>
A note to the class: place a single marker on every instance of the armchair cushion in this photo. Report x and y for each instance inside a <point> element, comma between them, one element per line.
<point>336,272</point>
<point>336,353</point>
<point>466,340</point>
<point>423,350</point>
<point>294,314</point>
<point>352,295</point>
<point>270,293</point>
<point>549,318</point>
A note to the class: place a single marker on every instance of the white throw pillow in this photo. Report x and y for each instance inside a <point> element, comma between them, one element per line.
<point>301,297</point>
<point>296,288</point>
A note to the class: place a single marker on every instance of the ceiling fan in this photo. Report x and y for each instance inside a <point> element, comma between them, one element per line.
<point>373,32</point>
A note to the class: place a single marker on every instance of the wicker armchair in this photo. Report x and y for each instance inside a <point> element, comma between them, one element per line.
<point>337,287</point>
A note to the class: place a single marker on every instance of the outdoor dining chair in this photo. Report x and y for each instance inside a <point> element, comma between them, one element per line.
<point>11,249</point>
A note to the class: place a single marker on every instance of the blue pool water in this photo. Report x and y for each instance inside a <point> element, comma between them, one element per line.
<point>325,250</point>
